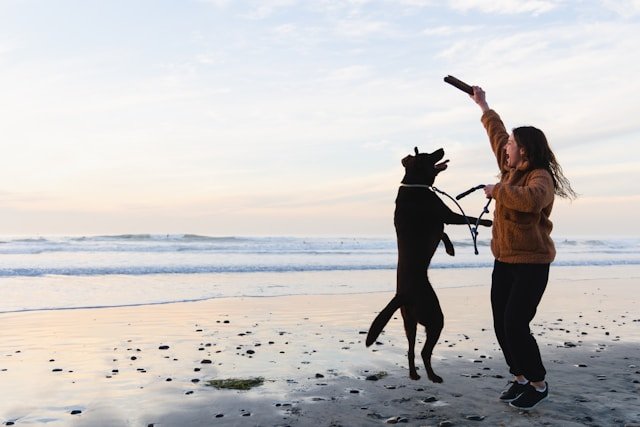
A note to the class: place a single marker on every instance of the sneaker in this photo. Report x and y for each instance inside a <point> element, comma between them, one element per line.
<point>513,392</point>
<point>530,398</point>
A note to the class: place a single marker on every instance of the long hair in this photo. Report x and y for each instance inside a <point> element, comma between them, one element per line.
<point>540,156</point>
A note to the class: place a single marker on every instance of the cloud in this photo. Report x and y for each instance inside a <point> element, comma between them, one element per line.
<point>217,3</point>
<point>207,59</point>
<point>285,29</point>
<point>7,47</point>
<point>507,7</point>
<point>417,3</point>
<point>350,73</point>
<point>624,8</point>
<point>266,8</point>
<point>362,28</point>
<point>451,30</point>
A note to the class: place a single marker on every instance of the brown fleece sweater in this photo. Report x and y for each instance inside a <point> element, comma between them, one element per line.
<point>524,199</point>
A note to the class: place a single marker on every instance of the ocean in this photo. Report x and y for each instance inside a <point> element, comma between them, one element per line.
<point>64,272</point>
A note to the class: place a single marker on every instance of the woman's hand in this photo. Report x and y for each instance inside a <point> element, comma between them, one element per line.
<point>479,98</point>
<point>488,190</point>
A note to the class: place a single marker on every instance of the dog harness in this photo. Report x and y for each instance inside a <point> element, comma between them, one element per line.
<point>473,229</point>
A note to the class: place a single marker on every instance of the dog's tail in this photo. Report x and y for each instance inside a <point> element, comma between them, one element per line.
<point>383,318</point>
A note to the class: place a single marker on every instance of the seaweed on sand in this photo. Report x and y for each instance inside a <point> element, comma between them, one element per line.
<point>236,383</point>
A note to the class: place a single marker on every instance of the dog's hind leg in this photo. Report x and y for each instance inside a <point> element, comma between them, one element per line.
<point>433,334</point>
<point>410,328</point>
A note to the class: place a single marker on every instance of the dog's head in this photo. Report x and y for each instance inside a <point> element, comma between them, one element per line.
<point>423,167</point>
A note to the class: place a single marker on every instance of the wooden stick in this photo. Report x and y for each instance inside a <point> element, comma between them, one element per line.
<point>459,84</point>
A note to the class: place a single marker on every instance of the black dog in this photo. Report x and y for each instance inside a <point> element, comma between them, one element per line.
<point>419,220</point>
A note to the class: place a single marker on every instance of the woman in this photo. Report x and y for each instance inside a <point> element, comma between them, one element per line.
<point>521,243</point>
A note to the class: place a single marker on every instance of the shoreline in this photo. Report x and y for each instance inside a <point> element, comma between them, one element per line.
<point>311,284</point>
<point>112,366</point>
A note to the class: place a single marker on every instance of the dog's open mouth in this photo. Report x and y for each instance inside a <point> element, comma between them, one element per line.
<point>441,166</point>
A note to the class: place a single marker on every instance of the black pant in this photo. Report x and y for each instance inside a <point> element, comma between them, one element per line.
<point>516,291</point>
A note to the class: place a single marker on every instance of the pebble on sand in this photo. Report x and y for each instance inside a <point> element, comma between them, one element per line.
<point>396,420</point>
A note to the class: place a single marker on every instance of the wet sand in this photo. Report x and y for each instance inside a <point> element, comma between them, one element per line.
<point>149,365</point>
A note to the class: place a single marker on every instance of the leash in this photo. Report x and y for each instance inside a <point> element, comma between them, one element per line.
<point>473,229</point>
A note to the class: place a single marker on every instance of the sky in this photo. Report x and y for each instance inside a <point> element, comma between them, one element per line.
<point>290,117</point>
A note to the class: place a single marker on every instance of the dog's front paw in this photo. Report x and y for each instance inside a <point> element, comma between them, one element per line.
<point>414,376</point>
<point>435,378</point>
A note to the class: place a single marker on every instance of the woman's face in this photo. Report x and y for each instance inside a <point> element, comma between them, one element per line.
<point>514,153</point>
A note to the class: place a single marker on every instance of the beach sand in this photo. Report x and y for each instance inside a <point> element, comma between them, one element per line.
<point>149,365</point>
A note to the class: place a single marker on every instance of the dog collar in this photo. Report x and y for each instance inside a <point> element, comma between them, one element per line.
<point>416,185</point>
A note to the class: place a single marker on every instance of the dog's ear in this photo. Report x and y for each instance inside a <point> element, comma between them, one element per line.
<point>407,161</point>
